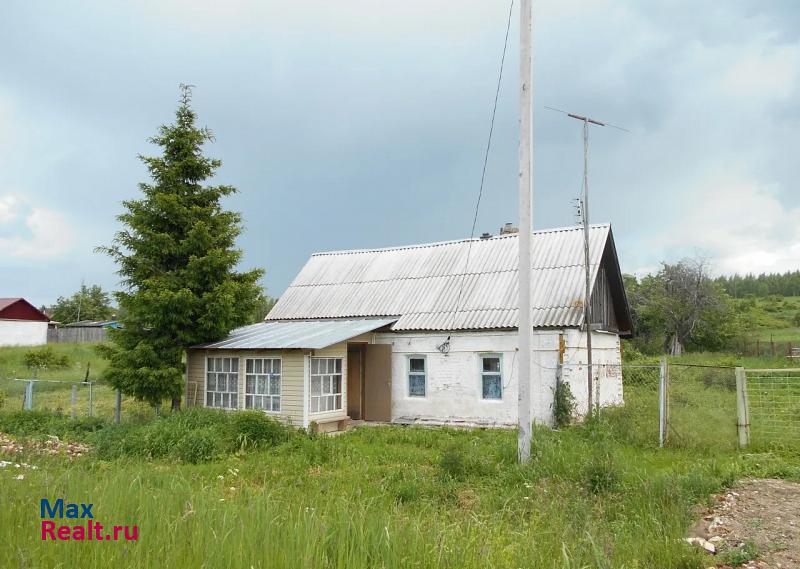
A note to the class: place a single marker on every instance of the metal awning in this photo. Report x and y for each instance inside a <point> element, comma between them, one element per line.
<point>309,334</point>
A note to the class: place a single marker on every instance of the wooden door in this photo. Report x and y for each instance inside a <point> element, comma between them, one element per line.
<point>378,383</point>
<point>354,375</point>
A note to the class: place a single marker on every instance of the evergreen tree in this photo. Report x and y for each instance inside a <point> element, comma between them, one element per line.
<point>177,259</point>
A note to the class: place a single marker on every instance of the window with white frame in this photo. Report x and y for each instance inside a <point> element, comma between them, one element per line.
<point>417,374</point>
<point>491,376</point>
<point>326,385</point>
<point>222,382</point>
<point>262,385</point>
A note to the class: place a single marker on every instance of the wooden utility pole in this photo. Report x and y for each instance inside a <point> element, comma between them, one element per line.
<point>587,298</point>
<point>525,230</point>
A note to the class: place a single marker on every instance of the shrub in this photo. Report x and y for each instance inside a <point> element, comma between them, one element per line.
<point>453,462</point>
<point>45,358</point>
<point>28,423</point>
<point>601,474</point>
<point>254,429</point>
<point>737,556</point>
<point>200,445</point>
<point>116,441</point>
<point>563,404</point>
<point>161,436</point>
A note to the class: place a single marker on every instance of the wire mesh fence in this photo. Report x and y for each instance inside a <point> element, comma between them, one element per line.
<point>773,397</point>
<point>75,399</point>
<point>700,407</point>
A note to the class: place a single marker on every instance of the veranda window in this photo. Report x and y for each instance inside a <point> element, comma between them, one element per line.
<point>222,382</point>
<point>325,384</point>
<point>263,384</point>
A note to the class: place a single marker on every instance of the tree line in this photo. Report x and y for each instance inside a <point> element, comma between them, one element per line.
<point>681,308</point>
<point>763,285</point>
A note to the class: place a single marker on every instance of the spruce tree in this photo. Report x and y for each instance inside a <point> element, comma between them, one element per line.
<point>177,258</point>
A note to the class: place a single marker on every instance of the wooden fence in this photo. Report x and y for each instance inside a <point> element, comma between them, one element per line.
<point>76,335</point>
<point>770,348</point>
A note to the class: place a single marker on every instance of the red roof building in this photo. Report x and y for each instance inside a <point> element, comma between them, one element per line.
<point>21,323</point>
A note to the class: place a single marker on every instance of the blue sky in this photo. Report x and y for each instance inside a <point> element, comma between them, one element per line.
<point>356,124</point>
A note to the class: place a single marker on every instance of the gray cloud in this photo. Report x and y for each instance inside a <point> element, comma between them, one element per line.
<point>356,124</point>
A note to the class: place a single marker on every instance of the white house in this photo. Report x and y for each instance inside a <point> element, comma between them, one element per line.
<point>21,323</point>
<point>423,334</point>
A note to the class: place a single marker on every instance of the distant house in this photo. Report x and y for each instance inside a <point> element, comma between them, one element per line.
<point>82,331</point>
<point>422,334</point>
<point>21,323</point>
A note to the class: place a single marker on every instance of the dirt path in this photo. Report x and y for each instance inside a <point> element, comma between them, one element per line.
<point>761,512</point>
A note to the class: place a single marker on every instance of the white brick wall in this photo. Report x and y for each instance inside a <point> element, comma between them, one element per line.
<point>22,333</point>
<point>453,393</point>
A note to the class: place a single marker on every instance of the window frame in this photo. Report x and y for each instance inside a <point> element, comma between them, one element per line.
<point>231,395</point>
<point>482,374</point>
<point>324,395</point>
<point>423,374</point>
<point>264,396</point>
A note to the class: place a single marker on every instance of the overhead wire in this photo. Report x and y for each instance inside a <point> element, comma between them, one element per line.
<point>444,347</point>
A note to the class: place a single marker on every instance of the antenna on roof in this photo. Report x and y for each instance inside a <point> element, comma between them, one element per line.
<point>584,217</point>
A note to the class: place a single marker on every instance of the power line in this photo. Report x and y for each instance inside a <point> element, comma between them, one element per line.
<point>587,119</point>
<point>444,347</point>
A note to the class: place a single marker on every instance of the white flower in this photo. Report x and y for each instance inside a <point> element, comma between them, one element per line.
<point>20,477</point>
<point>220,477</point>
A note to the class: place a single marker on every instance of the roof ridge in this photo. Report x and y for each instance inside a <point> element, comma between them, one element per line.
<point>454,241</point>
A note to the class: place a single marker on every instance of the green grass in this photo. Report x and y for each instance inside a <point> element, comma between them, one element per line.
<point>601,494</point>
<point>80,355</point>
<point>791,334</point>
<point>54,392</point>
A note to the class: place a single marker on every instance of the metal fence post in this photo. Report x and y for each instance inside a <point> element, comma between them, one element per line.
<point>662,401</point>
<point>90,398</point>
<point>118,407</point>
<point>742,408</point>
<point>28,396</point>
<point>73,400</point>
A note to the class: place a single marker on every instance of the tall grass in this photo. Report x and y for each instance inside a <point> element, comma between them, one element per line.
<point>386,497</point>
<point>599,494</point>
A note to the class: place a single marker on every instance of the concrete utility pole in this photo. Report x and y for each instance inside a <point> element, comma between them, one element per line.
<point>525,230</point>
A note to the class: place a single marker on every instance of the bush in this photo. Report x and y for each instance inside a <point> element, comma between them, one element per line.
<point>453,462</point>
<point>563,405</point>
<point>254,429</point>
<point>45,358</point>
<point>117,441</point>
<point>31,423</point>
<point>160,437</point>
<point>197,446</point>
<point>738,556</point>
<point>601,474</point>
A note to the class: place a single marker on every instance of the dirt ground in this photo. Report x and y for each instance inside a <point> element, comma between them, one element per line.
<point>758,518</point>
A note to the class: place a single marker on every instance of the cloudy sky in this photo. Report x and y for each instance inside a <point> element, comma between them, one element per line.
<point>357,123</point>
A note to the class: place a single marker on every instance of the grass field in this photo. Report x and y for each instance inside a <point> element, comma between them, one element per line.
<point>595,495</point>
<point>54,391</point>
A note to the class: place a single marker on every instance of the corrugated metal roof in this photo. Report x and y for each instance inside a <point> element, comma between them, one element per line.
<point>314,334</point>
<point>427,287</point>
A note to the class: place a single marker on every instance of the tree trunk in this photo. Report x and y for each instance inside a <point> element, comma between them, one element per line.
<point>176,403</point>
<point>675,348</point>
